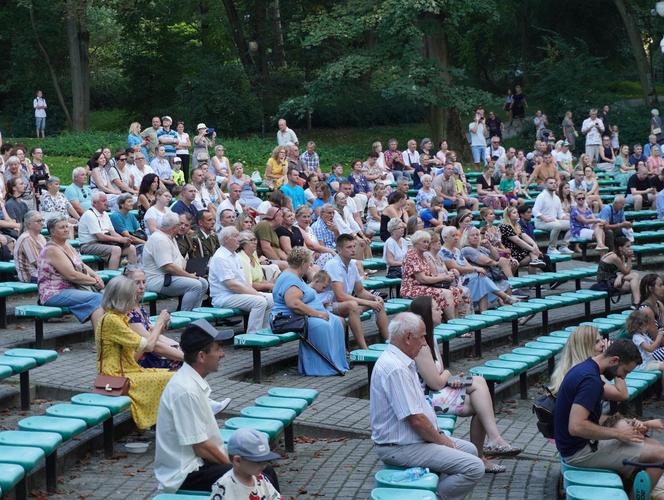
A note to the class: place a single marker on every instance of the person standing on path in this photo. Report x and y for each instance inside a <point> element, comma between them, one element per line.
<point>39,103</point>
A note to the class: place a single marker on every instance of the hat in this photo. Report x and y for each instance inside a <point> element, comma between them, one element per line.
<point>199,334</point>
<point>566,143</point>
<point>164,118</point>
<point>271,213</point>
<point>177,159</point>
<point>200,126</point>
<point>250,445</point>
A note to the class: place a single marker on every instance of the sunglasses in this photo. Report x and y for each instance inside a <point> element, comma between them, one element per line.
<point>581,198</point>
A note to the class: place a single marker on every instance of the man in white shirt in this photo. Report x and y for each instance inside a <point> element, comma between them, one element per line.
<point>403,423</point>
<point>507,160</point>
<point>232,202</point>
<point>494,150</point>
<point>39,103</point>
<point>140,169</point>
<point>477,131</point>
<point>285,136</point>
<point>411,157</point>
<point>189,451</point>
<point>202,200</point>
<point>593,128</point>
<point>563,157</point>
<point>97,236</point>
<point>165,268</point>
<point>228,285</point>
<point>549,216</point>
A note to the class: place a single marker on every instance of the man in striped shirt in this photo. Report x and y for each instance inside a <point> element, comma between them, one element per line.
<point>403,423</point>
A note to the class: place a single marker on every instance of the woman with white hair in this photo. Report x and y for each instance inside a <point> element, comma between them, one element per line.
<point>221,165</point>
<point>248,194</point>
<point>395,248</point>
<point>425,194</point>
<point>117,346</point>
<point>28,246</point>
<point>165,267</point>
<point>656,126</point>
<point>53,203</point>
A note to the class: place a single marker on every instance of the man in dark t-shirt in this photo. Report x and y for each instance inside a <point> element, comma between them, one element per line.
<point>640,190</point>
<point>580,439</point>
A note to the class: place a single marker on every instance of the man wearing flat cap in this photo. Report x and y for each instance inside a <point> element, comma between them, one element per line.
<point>190,453</point>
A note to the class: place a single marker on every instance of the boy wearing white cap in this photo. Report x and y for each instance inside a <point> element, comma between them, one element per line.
<point>249,452</point>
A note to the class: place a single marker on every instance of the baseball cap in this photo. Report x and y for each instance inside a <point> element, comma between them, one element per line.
<point>250,445</point>
<point>270,214</point>
<point>164,118</point>
<point>200,126</point>
<point>200,333</point>
<point>565,143</point>
<point>177,159</point>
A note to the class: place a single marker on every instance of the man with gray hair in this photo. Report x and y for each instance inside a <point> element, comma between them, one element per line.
<point>165,268</point>
<point>98,237</point>
<point>615,224</point>
<point>593,128</point>
<point>228,285</point>
<point>403,423</point>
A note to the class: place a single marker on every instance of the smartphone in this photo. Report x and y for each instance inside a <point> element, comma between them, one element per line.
<point>468,380</point>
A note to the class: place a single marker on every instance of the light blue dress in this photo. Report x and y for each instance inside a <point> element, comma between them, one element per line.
<point>327,336</point>
<point>479,286</point>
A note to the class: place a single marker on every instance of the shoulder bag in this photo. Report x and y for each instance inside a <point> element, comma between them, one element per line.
<point>109,385</point>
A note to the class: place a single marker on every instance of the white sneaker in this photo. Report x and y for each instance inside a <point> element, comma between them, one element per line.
<point>218,406</point>
<point>566,250</point>
<point>552,251</point>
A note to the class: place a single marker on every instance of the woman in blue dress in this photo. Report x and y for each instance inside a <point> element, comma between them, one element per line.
<point>325,330</point>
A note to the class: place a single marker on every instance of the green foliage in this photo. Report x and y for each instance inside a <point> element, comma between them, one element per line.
<point>74,144</point>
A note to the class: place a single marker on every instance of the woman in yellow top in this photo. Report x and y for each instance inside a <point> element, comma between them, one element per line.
<point>275,172</point>
<point>257,271</point>
<point>118,345</point>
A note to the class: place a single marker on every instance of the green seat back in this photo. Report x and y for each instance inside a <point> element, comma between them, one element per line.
<point>115,404</point>
<point>270,427</point>
<point>309,395</point>
<point>47,441</point>
<point>92,415</point>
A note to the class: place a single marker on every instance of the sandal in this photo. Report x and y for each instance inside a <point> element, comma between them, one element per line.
<point>468,335</point>
<point>504,450</point>
<point>494,469</point>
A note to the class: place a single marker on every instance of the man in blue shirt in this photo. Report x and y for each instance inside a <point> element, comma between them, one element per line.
<point>167,137</point>
<point>434,215</point>
<point>293,190</point>
<point>580,439</point>
<point>78,192</point>
<point>186,202</point>
<point>613,215</point>
<point>351,297</point>
<point>124,222</point>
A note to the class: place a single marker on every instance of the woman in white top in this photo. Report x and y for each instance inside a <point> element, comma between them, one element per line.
<point>120,175</point>
<point>220,164</point>
<point>377,147</point>
<point>99,180</point>
<point>462,396</point>
<point>346,224</point>
<point>375,206</point>
<point>156,212</point>
<point>395,248</point>
<point>216,195</point>
<point>182,149</point>
<point>303,220</point>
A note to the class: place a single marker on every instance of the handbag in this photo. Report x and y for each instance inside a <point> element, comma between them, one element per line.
<point>495,273</point>
<point>543,408</point>
<point>657,131</point>
<point>109,385</point>
<point>284,323</point>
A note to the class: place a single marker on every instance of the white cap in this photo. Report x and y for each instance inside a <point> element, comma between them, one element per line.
<point>200,126</point>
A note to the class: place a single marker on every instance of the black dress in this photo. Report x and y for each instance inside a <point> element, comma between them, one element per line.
<point>384,234</point>
<point>294,233</point>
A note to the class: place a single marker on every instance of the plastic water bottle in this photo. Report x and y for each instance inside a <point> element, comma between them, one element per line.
<point>413,474</point>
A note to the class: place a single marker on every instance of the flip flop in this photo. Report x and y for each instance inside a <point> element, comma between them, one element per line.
<point>468,335</point>
<point>494,469</point>
<point>506,450</point>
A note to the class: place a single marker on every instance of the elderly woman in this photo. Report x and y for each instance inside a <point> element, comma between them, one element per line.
<point>421,279</point>
<point>289,234</point>
<point>213,190</point>
<point>221,166</point>
<point>346,224</point>
<point>257,270</point>
<point>64,281</point>
<point>425,194</point>
<point>325,330</point>
<point>437,263</point>
<point>482,288</point>
<point>498,268</point>
<point>395,248</point>
<point>275,171</point>
<point>118,345</point>
<point>248,194</point>
<point>14,170</point>
<point>454,398</point>
<point>166,352</point>
<point>53,203</point>
<point>156,212</point>
<point>165,268</point>
<point>28,246</point>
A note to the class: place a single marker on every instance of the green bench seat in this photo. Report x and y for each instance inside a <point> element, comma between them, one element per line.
<point>5,372</point>
<point>227,433</point>
<point>108,274</point>
<point>18,365</point>
<point>401,494</point>
<point>114,404</point>
<point>20,287</point>
<point>364,356</point>
<point>255,340</point>
<point>41,356</point>
<point>515,366</point>
<point>576,492</point>
<point>309,395</point>
<point>284,415</point>
<point>40,314</point>
<point>554,348</point>
<point>272,428</point>
<point>66,427</point>
<point>91,415</point>
<point>547,339</point>
<point>176,322</point>
<point>529,351</point>
<point>529,360</point>
<point>27,457</point>
<point>219,312</point>
<point>47,441</point>
<point>193,315</point>
<point>560,334</point>
<point>378,347</point>
<point>392,308</point>
<point>391,478</point>
<point>295,404</point>
<point>283,337</point>
<point>10,475</point>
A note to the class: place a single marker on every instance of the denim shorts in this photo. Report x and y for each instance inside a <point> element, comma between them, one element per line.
<point>40,122</point>
<point>81,302</point>
<point>478,153</point>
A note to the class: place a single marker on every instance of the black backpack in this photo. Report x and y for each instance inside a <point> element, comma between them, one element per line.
<point>543,408</point>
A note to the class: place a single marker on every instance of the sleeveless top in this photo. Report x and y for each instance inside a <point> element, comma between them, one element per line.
<point>606,272</point>
<point>384,233</point>
<point>49,280</point>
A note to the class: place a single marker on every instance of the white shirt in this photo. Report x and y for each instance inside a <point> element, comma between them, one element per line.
<point>202,200</point>
<point>224,265</point>
<point>283,138</point>
<point>477,138</point>
<point>159,251</point>
<point>491,152</point>
<point>549,205</point>
<point>228,487</point>
<point>39,101</point>
<point>646,357</point>
<point>91,223</point>
<point>396,394</point>
<point>153,213</point>
<point>410,157</point>
<point>184,419</point>
<point>181,147</point>
<point>139,174</point>
<point>226,205</point>
<point>162,168</point>
<point>398,250</point>
<point>562,157</point>
<point>593,133</point>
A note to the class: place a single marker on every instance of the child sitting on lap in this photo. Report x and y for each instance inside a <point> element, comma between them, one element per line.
<point>321,283</point>
<point>642,329</point>
<point>249,452</point>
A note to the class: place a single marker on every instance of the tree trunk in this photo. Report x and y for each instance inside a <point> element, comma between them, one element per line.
<point>279,51</point>
<point>444,121</point>
<point>638,52</point>
<point>78,42</point>
<point>51,70</point>
<point>239,39</point>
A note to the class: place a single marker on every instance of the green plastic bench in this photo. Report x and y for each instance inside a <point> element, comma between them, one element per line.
<point>10,476</point>
<point>401,494</point>
<point>227,433</point>
<point>392,478</point>
<point>295,404</point>
<point>193,315</point>
<point>40,314</point>
<point>114,404</point>
<point>41,356</point>
<point>309,395</point>
<point>367,357</point>
<point>21,367</point>
<point>560,334</point>
<point>378,347</point>
<point>392,308</point>
<point>108,274</point>
<point>492,376</point>
<point>530,361</point>
<point>91,415</point>
<point>256,342</point>
<point>66,427</point>
<point>283,337</point>
<point>27,457</point>
<point>577,492</point>
<point>219,312</point>
<point>272,428</point>
<point>285,415</point>
<point>176,322</point>
<point>20,287</point>
<point>554,348</point>
<point>48,442</point>
<point>548,339</point>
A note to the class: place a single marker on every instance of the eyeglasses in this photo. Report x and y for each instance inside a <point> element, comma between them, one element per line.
<point>122,159</point>
<point>140,158</point>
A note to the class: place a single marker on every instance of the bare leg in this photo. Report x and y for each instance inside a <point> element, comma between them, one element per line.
<point>450,310</point>
<point>381,323</point>
<point>599,236</point>
<point>114,260</point>
<point>505,266</point>
<point>652,451</point>
<point>95,317</point>
<point>632,282</point>
<point>483,304</point>
<point>351,310</point>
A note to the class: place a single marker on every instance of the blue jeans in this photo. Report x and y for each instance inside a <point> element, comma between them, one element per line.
<point>478,153</point>
<point>81,302</point>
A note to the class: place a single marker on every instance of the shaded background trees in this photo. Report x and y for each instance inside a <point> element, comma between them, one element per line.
<point>239,64</point>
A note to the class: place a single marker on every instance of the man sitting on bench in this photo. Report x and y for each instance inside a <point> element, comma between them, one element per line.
<point>580,438</point>
<point>351,298</point>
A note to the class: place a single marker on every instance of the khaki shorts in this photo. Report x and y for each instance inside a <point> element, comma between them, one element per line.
<point>609,455</point>
<point>97,249</point>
